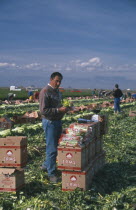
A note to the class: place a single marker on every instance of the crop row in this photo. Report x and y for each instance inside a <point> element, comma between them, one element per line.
<point>113,187</point>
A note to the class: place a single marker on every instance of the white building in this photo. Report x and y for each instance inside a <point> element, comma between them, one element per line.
<point>14,88</point>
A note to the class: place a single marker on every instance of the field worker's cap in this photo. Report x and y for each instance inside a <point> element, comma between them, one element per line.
<point>116,86</point>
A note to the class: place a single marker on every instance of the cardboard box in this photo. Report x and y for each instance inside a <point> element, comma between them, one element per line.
<point>102,160</point>
<point>99,162</point>
<point>77,158</point>
<point>82,179</point>
<point>98,145</point>
<point>11,179</point>
<point>77,179</point>
<point>96,127</point>
<point>73,158</point>
<point>13,151</point>
<point>91,152</point>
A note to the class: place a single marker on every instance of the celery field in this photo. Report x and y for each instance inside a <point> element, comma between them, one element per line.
<point>113,187</point>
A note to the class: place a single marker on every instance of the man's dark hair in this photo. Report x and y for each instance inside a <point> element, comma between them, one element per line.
<point>54,74</point>
<point>116,86</point>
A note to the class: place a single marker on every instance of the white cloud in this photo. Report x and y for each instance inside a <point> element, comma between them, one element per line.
<point>95,61</point>
<point>68,69</point>
<point>109,68</point>
<point>91,62</point>
<point>7,65</point>
<point>75,62</point>
<point>56,66</point>
<point>84,64</point>
<point>32,65</point>
<point>94,64</point>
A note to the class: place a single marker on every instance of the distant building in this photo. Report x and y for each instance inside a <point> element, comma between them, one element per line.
<point>31,88</point>
<point>14,88</point>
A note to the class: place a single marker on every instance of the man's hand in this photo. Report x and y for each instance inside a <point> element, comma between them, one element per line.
<point>63,109</point>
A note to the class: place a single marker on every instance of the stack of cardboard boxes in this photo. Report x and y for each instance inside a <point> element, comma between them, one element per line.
<point>13,157</point>
<point>81,158</point>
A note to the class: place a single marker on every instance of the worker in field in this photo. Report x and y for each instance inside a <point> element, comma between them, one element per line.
<point>52,112</point>
<point>10,97</point>
<point>36,96</point>
<point>30,95</point>
<point>117,94</point>
<point>124,96</point>
<point>129,94</point>
<point>94,93</point>
<point>100,93</point>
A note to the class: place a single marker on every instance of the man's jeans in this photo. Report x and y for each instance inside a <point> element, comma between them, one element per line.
<point>117,104</point>
<point>53,130</point>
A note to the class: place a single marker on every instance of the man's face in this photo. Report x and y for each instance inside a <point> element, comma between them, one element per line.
<point>55,82</point>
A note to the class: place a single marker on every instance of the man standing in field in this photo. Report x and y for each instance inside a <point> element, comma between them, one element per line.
<point>10,97</point>
<point>52,112</point>
<point>117,93</point>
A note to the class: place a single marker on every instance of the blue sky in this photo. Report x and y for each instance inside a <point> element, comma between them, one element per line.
<point>91,42</point>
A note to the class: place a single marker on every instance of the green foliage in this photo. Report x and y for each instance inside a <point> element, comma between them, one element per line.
<point>113,187</point>
<point>23,94</point>
<point>66,103</point>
